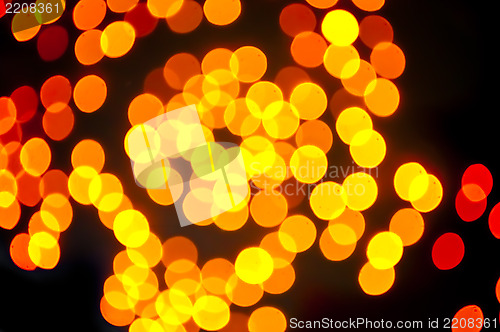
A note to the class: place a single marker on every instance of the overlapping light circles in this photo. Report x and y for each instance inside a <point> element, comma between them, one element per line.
<point>285,138</point>
<point>413,184</point>
<point>471,199</point>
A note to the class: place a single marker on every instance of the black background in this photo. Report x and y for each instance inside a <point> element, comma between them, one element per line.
<point>447,120</point>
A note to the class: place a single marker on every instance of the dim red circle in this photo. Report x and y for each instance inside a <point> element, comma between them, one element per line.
<point>52,42</point>
<point>296,18</point>
<point>26,100</point>
<point>141,19</point>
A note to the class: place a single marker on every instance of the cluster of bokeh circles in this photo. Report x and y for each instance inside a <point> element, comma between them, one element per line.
<point>449,248</point>
<point>284,135</point>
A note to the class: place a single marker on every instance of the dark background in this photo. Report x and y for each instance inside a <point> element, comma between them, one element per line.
<point>446,121</point>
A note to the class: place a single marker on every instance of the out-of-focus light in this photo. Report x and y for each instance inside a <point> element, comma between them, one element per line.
<point>448,251</point>
<point>384,250</point>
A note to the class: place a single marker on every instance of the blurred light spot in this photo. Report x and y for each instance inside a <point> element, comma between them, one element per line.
<point>105,192</point>
<point>88,152</point>
<point>142,324</point>
<point>164,8</point>
<point>48,225</point>
<point>343,99</point>
<point>254,265</point>
<point>280,120</point>
<point>297,233</point>
<point>328,200</point>
<point>179,247</point>
<point>309,99</point>
<point>342,234</point>
<point>331,249</point>
<point>353,219</point>
<point>388,60</point>
<point>467,315</point>
<point>238,118</point>
<point>480,175</point>
<point>55,89</point>
<point>117,39</point>
<point>341,61</point>
<point>10,213</point>
<point>222,12</point>
<point>369,5</point>
<point>52,43</point>
<point>469,210</point>
<point>35,156</point>
<point>57,207</point>
<point>281,280</point>
<point>180,68</point>
<point>19,252</point>
<point>248,64</point>
<point>58,121</point>
<point>108,217</point>
<point>211,313</point>
<point>411,181</point>
<point>54,181</point>
<point>8,113</point>
<point>24,26</point>
<point>25,99</point>
<point>375,281</point>
<point>131,228</point>
<point>308,164</point>
<point>242,293</point>
<point>28,193</point>
<point>143,108</point>
<point>79,181</point>
<point>260,95</point>
<point>497,290</point>
<point>122,6</point>
<point>361,191</point>
<point>215,274</point>
<point>115,294</point>
<point>314,132</point>
<point>375,29</point>
<point>88,14</point>
<point>187,19</point>
<point>88,49</point>
<point>265,319</point>
<point>351,121</point>
<point>340,27</point>
<point>44,250</point>
<point>296,18</point>
<point>90,93</point>
<point>47,16</point>
<point>358,82</point>
<point>308,49</point>
<point>174,307</point>
<point>114,316</point>
<point>368,148</point>
<point>272,244</point>
<point>408,224</point>
<point>289,77</point>
<point>384,250</point>
<point>268,208</point>
<point>432,197</point>
<point>382,97</point>
<point>448,251</point>
<point>233,219</point>
<point>141,19</point>
<point>494,221</point>
<point>322,4</point>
